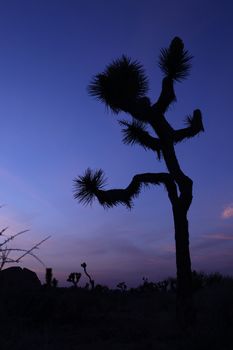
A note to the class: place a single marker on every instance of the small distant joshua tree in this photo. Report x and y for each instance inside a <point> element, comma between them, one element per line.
<point>122,87</point>
<point>122,286</point>
<point>92,282</point>
<point>74,278</point>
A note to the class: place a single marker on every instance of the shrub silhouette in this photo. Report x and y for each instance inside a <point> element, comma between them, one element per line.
<point>122,286</point>
<point>6,251</point>
<point>48,276</point>
<point>54,282</point>
<point>148,286</point>
<point>122,87</point>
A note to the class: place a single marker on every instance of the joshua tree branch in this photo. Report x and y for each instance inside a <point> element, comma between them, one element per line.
<point>195,126</point>
<point>135,132</point>
<point>113,197</point>
<point>140,109</point>
<point>86,188</point>
<point>167,95</point>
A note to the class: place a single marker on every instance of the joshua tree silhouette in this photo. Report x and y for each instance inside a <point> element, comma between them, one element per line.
<point>74,277</point>
<point>122,87</point>
<point>92,282</point>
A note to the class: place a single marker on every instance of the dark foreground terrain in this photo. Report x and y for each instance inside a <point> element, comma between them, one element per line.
<point>143,318</point>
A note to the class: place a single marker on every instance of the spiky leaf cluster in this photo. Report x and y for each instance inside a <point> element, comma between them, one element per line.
<point>134,132</point>
<point>195,121</point>
<point>86,186</point>
<point>120,85</point>
<point>175,60</point>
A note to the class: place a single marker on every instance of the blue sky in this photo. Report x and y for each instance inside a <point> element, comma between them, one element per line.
<point>51,131</point>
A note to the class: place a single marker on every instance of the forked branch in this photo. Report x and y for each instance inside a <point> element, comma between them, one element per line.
<point>6,251</point>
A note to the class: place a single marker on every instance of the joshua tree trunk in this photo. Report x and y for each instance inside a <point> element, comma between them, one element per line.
<point>183,261</point>
<point>185,307</point>
<point>122,86</point>
<point>181,200</point>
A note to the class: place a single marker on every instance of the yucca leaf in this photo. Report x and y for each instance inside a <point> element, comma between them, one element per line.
<point>87,185</point>
<point>90,185</point>
<point>175,60</point>
<point>194,127</point>
<point>134,132</point>
<point>120,85</point>
<point>195,121</point>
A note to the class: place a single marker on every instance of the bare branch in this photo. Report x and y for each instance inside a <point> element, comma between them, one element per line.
<point>31,249</point>
<point>5,252</point>
<point>12,237</point>
<point>4,257</point>
<point>3,230</point>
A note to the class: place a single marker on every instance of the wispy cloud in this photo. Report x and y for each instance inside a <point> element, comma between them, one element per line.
<point>227,212</point>
<point>213,240</point>
<point>219,236</point>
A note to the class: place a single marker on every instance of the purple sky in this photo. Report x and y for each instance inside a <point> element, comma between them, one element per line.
<point>51,131</point>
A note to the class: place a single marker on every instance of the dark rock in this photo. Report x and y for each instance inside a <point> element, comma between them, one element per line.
<point>16,278</point>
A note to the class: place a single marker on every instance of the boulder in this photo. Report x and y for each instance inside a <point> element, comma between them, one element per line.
<point>16,278</point>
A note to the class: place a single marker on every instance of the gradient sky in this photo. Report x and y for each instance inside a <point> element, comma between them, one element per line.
<point>51,131</point>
